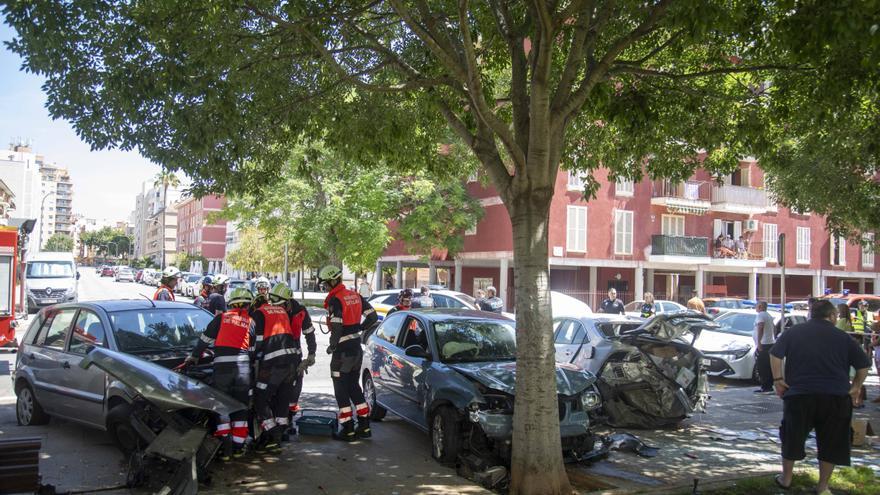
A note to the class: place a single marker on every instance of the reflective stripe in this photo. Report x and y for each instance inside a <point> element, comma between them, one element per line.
<point>240,358</point>
<point>335,374</point>
<point>369,312</point>
<point>362,409</point>
<point>239,439</point>
<point>206,339</point>
<point>309,330</point>
<point>262,386</point>
<point>344,409</point>
<point>345,419</point>
<point>239,424</point>
<point>346,338</point>
<point>281,352</point>
<point>336,319</point>
<point>281,421</point>
<point>268,424</point>
<point>259,338</point>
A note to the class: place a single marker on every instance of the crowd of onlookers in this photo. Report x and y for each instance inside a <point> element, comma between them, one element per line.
<point>726,246</point>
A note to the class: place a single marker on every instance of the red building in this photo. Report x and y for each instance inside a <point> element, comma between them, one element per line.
<point>656,236</point>
<point>194,234</point>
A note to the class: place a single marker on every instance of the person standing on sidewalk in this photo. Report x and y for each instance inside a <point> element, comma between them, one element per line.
<point>816,391</point>
<point>612,305</point>
<point>764,339</point>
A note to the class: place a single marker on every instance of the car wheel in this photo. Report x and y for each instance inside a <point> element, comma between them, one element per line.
<point>28,411</point>
<point>119,427</point>
<point>377,412</point>
<point>445,435</point>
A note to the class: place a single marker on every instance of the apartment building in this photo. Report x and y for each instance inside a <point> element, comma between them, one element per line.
<point>19,169</point>
<point>57,201</point>
<point>656,236</point>
<point>150,224</point>
<point>195,235</point>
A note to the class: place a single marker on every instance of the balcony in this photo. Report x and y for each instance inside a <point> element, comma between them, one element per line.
<point>740,199</point>
<point>691,197</point>
<point>679,249</point>
<point>749,254</point>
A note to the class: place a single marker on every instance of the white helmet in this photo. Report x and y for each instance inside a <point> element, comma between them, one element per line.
<point>262,283</point>
<point>170,272</point>
<point>221,279</point>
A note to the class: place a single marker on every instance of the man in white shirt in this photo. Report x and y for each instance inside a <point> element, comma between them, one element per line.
<point>764,340</point>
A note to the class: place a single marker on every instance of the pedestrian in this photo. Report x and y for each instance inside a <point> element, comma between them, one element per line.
<point>404,302</point>
<point>207,288</point>
<point>364,288</point>
<point>816,391</point>
<point>492,302</point>
<point>481,294</point>
<point>389,284</point>
<point>345,309</point>
<point>612,304</point>
<point>695,303</point>
<point>231,335</point>
<point>647,309</point>
<point>217,299</point>
<point>170,277</point>
<point>424,300</point>
<point>276,355</point>
<point>764,336</point>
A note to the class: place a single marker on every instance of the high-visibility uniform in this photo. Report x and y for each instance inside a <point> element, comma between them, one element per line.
<point>300,325</point>
<point>232,336</point>
<point>277,356</point>
<point>344,311</point>
<point>163,293</point>
<point>862,320</point>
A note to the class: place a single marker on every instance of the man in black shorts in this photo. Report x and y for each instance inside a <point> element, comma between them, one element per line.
<point>816,391</point>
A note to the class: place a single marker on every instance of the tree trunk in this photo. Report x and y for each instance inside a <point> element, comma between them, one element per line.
<point>537,465</point>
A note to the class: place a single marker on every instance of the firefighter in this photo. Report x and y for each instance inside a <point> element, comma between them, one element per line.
<point>217,299</point>
<point>207,288</point>
<point>404,301</point>
<point>277,356</point>
<point>301,325</point>
<point>344,311</point>
<point>165,292</point>
<point>231,334</point>
<point>262,287</point>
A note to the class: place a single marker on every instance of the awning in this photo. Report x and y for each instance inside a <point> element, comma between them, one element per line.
<point>687,209</point>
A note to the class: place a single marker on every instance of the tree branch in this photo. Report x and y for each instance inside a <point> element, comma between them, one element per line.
<point>447,58</point>
<point>653,53</point>
<point>573,9</point>
<point>628,69</point>
<point>575,56</point>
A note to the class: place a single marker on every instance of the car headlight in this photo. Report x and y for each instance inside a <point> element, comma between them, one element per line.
<point>591,400</point>
<point>739,352</point>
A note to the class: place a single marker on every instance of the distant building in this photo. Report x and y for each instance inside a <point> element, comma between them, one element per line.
<point>19,170</point>
<point>149,222</point>
<point>195,235</point>
<point>56,201</point>
<point>7,203</point>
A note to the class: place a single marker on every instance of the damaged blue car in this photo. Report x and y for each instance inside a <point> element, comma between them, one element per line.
<point>452,373</point>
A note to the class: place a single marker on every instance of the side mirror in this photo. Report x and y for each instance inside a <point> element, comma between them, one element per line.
<point>417,351</point>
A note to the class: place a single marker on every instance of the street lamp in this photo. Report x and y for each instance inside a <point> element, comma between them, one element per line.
<point>42,205</point>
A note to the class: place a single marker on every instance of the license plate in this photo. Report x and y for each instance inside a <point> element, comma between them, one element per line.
<point>50,301</point>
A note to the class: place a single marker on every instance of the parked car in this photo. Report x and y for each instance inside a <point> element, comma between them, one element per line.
<point>138,275</point>
<point>650,374</point>
<point>635,307</point>
<point>852,300</point>
<point>191,284</point>
<point>107,271</point>
<point>236,283</point>
<point>451,373</point>
<point>51,279</point>
<point>149,276</point>
<point>181,283</point>
<point>730,348</point>
<point>383,300</point>
<point>144,338</point>
<point>125,275</point>
<point>99,269</point>
<point>717,305</point>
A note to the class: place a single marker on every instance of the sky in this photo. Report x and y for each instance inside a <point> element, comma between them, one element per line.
<point>105,183</point>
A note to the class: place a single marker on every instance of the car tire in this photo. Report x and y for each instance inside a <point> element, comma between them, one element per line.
<point>29,412</point>
<point>377,412</point>
<point>119,427</point>
<point>445,435</point>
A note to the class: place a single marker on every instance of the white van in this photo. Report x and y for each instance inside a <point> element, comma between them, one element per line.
<point>51,278</point>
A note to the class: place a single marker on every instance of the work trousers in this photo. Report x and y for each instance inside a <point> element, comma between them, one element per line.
<point>235,380</point>
<point>272,395</point>
<point>345,368</point>
<point>765,373</point>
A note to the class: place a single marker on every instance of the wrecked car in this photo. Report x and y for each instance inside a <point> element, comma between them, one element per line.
<point>649,373</point>
<point>452,372</point>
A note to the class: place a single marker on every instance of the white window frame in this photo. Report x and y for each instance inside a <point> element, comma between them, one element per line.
<point>804,244</point>
<point>868,251</point>
<point>576,229</point>
<point>770,238</point>
<point>575,181</point>
<point>672,225</point>
<point>623,238</point>
<point>624,187</point>
<point>471,231</point>
<point>474,177</point>
<point>841,250</point>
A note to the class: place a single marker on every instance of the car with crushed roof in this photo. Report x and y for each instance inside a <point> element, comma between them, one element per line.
<point>648,371</point>
<point>451,373</point>
<point>109,365</point>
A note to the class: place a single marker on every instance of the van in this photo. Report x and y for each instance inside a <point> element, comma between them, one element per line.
<point>51,278</point>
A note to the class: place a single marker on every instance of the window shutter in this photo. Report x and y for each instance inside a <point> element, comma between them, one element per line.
<point>717,228</point>
<point>737,229</point>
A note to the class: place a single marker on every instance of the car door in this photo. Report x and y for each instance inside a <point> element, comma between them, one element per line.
<point>85,387</point>
<point>571,341</point>
<point>46,359</point>
<point>383,346</point>
<point>562,339</point>
<point>412,370</point>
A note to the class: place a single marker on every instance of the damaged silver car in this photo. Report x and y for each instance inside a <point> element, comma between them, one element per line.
<point>649,373</point>
<point>452,373</point>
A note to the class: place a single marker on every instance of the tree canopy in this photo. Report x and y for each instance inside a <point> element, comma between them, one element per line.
<point>107,241</point>
<point>59,242</point>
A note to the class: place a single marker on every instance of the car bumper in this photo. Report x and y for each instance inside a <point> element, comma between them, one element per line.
<point>499,426</point>
<point>48,301</point>
<point>728,366</point>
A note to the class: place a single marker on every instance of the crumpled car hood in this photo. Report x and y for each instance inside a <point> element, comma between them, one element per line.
<point>672,326</point>
<point>160,386</point>
<point>501,376</point>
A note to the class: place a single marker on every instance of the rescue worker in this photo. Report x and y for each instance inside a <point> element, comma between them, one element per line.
<point>207,288</point>
<point>344,311</point>
<point>262,287</point>
<point>231,334</point>
<point>647,309</point>
<point>862,322</point>
<point>277,356</point>
<point>217,299</point>
<point>404,302</point>
<point>167,282</point>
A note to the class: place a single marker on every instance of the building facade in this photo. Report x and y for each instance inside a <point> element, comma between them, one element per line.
<point>195,235</point>
<point>150,223</point>
<point>713,235</point>
<point>56,206</point>
<point>20,170</point>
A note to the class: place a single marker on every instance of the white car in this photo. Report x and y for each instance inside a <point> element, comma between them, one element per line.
<point>635,308</point>
<point>190,284</point>
<point>731,348</point>
<point>124,274</point>
<point>383,300</point>
<point>148,276</point>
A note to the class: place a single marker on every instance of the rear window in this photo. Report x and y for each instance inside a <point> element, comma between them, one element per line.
<point>156,330</point>
<point>612,329</point>
<point>49,269</point>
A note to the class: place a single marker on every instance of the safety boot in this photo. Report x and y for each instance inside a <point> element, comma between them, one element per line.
<point>363,429</point>
<point>347,433</point>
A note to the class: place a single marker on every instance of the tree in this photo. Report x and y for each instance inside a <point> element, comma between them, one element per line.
<point>653,88</point>
<point>165,179</point>
<point>184,260</point>
<point>59,242</point>
<point>258,251</point>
